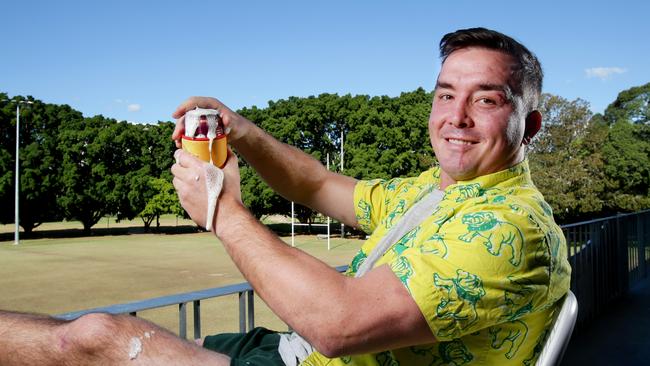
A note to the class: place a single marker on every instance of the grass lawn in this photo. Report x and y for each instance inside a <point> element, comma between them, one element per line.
<point>58,275</point>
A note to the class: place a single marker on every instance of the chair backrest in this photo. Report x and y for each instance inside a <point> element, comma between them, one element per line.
<point>558,339</point>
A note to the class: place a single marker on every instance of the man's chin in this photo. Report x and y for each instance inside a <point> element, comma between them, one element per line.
<point>453,174</point>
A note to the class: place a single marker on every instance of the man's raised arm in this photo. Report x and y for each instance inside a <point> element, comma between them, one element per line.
<point>292,173</point>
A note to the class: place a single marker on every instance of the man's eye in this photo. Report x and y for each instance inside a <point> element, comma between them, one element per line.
<point>445,97</point>
<point>487,101</point>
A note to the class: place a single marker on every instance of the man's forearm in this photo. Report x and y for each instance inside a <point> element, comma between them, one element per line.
<point>296,175</point>
<point>328,309</point>
<point>294,284</point>
<point>288,170</point>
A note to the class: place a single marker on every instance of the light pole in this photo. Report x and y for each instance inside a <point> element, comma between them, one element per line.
<point>17,192</point>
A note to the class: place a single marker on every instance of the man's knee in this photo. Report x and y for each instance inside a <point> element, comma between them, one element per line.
<point>88,334</point>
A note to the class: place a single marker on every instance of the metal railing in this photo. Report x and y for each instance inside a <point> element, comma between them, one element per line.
<point>607,256</point>
<point>244,291</point>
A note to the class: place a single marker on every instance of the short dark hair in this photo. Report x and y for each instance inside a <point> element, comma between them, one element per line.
<point>528,74</point>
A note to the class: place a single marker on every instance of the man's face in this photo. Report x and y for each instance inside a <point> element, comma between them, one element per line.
<point>473,127</point>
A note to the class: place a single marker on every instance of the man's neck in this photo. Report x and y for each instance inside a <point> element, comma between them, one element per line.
<point>445,181</point>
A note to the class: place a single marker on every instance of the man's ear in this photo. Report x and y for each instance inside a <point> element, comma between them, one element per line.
<point>533,124</point>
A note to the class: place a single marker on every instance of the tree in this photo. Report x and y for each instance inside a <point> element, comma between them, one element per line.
<point>150,156</point>
<point>631,105</point>
<point>565,173</point>
<point>164,201</point>
<point>88,181</point>
<point>39,162</point>
<point>627,167</point>
<point>7,141</point>
<point>388,137</point>
<point>627,149</point>
<point>383,137</point>
<point>127,150</point>
<point>256,194</point>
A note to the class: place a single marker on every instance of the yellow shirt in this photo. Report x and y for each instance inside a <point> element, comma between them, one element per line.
<point>486,268</point>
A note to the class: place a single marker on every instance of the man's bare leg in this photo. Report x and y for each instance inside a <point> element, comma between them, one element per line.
<point>97,339</point>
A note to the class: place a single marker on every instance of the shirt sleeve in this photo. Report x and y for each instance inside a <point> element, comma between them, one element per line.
<point>478,270</point>
<point>372,199</point>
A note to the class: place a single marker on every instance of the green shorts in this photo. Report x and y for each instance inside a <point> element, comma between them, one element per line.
<point>257,347</point>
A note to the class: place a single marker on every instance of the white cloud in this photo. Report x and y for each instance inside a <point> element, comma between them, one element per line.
<point>604,73</point>
<point>119,101</point>
<point>134,107</point>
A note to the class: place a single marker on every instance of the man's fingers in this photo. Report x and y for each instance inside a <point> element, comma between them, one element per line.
<point>186,160</point>
<point>179,129</point>
<point>178,184</point>
<point>193,102</point>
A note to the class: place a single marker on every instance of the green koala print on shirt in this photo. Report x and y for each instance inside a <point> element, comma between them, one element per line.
<point>515,334</point>
<point>548,211</point>
<point>483,228</point>
<point>452,353</point>
<point>399,209</point>
<point>499,199</point>
<point>357,261</point>
<point>364,218</point>
<point>553,241</point>
<point>537,350</point>
<point>390,187</point>
<point>459,304</point>
<point>435,245</point>
<point>466,191</point>
<point>385,359</point>
<point>403,270</point>
<point>516,299</point>
<point>406,241</point>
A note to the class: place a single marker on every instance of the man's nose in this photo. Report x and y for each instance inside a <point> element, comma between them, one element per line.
<point>458,116</point>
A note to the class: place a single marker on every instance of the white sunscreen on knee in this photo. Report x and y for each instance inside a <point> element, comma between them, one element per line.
<point>135,347</point>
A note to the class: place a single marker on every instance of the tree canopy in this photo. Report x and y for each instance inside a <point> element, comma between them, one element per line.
<point>83,168</point>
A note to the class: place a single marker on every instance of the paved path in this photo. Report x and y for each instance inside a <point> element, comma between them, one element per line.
<point>620,338</point>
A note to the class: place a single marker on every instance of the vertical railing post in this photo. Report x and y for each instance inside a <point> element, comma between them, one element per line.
<point>624,262</point>
<point>594,235</point>
<point>242,312</point>
<point>251,309</point>
<point>182,320</point>
<point>197,319</point>
<point>646,241</point>
<point>640,246</point>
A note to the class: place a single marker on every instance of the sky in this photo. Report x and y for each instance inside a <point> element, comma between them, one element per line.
<point>137,60</point>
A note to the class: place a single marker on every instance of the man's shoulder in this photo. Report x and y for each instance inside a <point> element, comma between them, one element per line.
<point>522,205</point>
<point>401,185</point>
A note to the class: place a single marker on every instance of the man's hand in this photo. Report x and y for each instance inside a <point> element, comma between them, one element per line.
<point>193,192</point>
<point>233,122</point>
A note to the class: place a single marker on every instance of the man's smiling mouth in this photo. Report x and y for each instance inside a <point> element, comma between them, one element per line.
<point>460,142</point>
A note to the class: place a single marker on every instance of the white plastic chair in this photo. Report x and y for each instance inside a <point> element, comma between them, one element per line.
<point>558,339</point>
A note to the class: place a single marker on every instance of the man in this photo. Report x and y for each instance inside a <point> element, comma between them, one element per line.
<point>472,276</point>
<point>475,282</point>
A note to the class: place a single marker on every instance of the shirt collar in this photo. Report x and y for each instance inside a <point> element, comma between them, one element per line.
<point>516,175</point>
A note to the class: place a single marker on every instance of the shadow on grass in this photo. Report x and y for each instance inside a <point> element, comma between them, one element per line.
<point>279,229</point>
<point>283,229</point>
<point>77,233</point>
